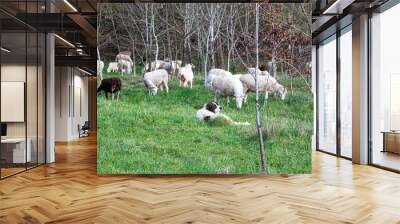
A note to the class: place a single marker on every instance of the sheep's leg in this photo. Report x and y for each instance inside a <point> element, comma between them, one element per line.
<point>191,84</point>
<point>112,96</point>
<point>217,98</point>
<point>118,95</point>
<point>166,86</point>
<point>245,98</point>
<point>266,98</point>
<point>228,99</point>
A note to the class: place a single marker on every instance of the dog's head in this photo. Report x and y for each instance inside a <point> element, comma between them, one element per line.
<point>213,107</point>
<point>262,67</point>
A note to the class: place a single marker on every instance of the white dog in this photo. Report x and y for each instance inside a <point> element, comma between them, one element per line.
<point>212,112</point>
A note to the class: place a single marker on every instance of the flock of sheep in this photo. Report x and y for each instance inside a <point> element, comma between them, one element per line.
<point>222,83</point>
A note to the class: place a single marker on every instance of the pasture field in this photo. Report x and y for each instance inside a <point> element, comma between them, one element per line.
<point>142,134</point>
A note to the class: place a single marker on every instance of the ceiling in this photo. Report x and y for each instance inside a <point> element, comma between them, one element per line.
<point>74,22</point>
<point>330,15</point>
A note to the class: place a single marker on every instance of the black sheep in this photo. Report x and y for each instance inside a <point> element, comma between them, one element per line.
<point>110,85</point>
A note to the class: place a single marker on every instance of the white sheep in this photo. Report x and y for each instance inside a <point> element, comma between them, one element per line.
<point>252,71</point>
<point>229,86</point>
<point>185,75</point>
<point>214,73</point>
<point>176,65</point>
<point>100,67</point>
<point>266,83</point>
<point>156,79</point>
<point>112,67</point>
<point>153,65</point>
<point>124,56</point>
<point>125,66</point>
<point>237,76</point>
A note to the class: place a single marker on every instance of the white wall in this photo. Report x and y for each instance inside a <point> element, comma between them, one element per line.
<point>71,87</point>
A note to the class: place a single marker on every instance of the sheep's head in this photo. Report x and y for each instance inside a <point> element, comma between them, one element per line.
<point>189,66</point>
<point>153,91</point>
<point>151,87</point>
<point>239,101</point>
<point>282,91</point>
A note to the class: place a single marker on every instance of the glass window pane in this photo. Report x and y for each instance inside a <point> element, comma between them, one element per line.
<point>327,96</point>
<point>13,86</point>
<point>385,92</point>
<point>31,97</point>
<point>346,93</point>
<point>41,99</point>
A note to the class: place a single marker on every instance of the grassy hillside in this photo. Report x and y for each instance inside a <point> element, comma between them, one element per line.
<point>140,134</point>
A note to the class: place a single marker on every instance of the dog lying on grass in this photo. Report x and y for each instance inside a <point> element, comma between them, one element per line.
<point>211,113</point>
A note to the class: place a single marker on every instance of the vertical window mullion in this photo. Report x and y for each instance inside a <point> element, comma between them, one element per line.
<point>26,86</point>
<point>338,76</point>
<point>317,96</point>
<point>37,89</point>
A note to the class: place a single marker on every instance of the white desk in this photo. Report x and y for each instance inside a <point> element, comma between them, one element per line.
<point>19,154</point>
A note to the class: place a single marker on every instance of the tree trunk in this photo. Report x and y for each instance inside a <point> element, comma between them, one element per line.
<point>229,61</point>
<point>221,62</point>
<point>154,34</point>
<point>115,33</point>
<point>183,53</point>
<point>147,36</point>
<point>258,114</point>
<point>206,59</point>
<point>168,37</point>
<point>134,58</point>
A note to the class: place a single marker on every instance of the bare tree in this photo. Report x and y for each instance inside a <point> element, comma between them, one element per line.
<point>209,35</point>
<point>258,115</point>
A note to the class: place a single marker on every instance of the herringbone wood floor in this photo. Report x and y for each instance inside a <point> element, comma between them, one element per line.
<point>69,191</point>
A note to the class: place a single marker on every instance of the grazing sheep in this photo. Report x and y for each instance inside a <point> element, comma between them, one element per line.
<point>112,67</point>
<point>166,66</point>
<point>214,73</point>
<point>125,55</point>
<point>266,83</point>
<point>237,76</point>
<point>125,66</point>
<point>185,75</point>
<point>110,85</point>
<point>229,86</point>
<point>100,67</point>
<point>124,61</point>
<point>155,79</point>
<point>153,65</point>
<point>175,65</point>
<point>211,112</point>
<point>259,72</point>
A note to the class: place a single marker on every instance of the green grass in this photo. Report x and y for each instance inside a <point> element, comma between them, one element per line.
<point>141,134</point>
